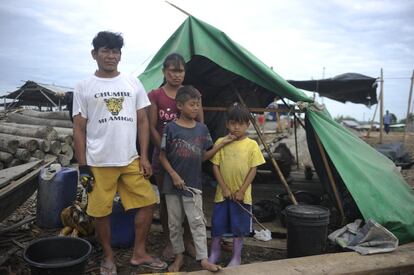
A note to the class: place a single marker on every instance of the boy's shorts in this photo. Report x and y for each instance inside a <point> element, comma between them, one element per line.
<point>135,191</point>
<point>229,218</point>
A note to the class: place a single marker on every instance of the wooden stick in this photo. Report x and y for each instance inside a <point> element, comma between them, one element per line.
<point>381,107</point>
<point>275,165</point>
<point>253,216</point>
<point>407,119</point>
<point>331,178</point>
<point>16,225</point>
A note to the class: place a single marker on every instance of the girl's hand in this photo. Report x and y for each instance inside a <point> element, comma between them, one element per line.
<point>178,181</point>
<point>239,195</point>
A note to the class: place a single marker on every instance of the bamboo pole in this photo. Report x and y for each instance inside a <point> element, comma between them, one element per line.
<point>381,107</point>
<point>407,118</point>
<point>275,165</point>
<point>331,178</point>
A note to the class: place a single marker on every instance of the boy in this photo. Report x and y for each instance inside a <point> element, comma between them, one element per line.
<point>183,149</point>
<point>234,168</point>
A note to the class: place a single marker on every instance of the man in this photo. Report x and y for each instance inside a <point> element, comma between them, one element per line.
<point>387,122</point>
<point>108,111</point>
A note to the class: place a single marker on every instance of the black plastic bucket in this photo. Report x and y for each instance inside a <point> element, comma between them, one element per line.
<point>57,256</point>
<point>307,230</point>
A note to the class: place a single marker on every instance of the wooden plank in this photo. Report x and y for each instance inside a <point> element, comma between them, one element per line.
<point>253,110</point>
<point>9,174</point>
<point>18,191</point>
<point>400,261</point>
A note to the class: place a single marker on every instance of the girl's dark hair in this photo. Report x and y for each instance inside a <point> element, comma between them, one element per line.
<point>107,39</point>
<point>238,113</point>
<point>174,59</point>
<point>186,93</point>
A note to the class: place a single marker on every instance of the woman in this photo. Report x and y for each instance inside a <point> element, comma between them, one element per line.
<point>163,109</point>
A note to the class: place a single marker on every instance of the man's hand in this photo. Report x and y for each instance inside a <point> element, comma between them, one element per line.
<point>145,167</point>
<point>86,177</point>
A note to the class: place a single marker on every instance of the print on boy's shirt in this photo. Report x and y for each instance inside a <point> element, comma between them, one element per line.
<point>184,149</point>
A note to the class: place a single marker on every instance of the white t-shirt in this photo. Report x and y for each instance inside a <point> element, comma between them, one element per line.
<point>110,106</point>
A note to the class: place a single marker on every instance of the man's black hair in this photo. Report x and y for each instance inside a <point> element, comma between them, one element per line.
<point>186,93</point>
<point>174,59</point>
<point>238,113</point>
<point>107,39</point>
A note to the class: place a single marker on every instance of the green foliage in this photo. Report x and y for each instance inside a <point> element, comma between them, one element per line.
<point>410,118</point>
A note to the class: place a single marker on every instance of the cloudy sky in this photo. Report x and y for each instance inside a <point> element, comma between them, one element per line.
<point>50,41</point>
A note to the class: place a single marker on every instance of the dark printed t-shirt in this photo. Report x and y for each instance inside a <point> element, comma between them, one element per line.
<point>184,148</point>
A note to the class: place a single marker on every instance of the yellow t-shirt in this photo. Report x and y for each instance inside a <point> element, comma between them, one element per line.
<point>235,161</point>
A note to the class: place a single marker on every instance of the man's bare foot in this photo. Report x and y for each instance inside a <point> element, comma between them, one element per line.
<point>189,248</point>
<point>168,254</point>
<point>205,264</point>
<point>177,264</point>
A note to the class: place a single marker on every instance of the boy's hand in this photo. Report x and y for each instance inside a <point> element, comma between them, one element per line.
<point>227,139</point>
<point>178,181</point>
<point>226,193</point>
<point>239,195</point>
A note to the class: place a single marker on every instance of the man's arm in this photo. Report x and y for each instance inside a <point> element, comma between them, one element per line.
<point>143,138</point>
<point>79,136</point>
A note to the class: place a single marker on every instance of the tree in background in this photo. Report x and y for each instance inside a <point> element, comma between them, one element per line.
<point>410,118</point>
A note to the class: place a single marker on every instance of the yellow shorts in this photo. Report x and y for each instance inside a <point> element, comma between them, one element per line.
<point>135,191</point>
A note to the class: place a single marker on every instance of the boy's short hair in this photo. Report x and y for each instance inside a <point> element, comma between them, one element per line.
<point>107,39</point>
<point>186,93</point>
<point>238,113</point>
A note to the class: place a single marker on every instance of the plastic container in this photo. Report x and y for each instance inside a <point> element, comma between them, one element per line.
<point>307,229</point>
<point>57,256</point>
<point>122,226</point>
<point>54,195</point>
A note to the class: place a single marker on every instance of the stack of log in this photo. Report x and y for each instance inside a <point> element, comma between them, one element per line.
<point>29,135</point>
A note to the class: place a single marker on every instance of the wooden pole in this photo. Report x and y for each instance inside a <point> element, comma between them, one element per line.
<point>266,147</point>
<point>331,178</point>
<point>296,141</point>
<point>407,119</point>
<point>381,107</point>
<point>373,117</point>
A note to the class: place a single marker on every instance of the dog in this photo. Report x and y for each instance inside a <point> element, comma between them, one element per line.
<point>76,222</point>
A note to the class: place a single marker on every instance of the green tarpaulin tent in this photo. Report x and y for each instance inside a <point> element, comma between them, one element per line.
<point>217,66</point>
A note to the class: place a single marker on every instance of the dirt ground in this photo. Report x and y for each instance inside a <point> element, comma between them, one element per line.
<point>12,243</point>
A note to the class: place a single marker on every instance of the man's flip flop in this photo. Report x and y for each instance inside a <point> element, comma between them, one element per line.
<point>156,264</point>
